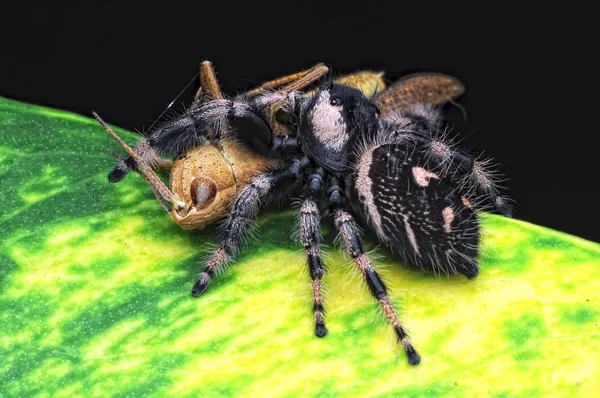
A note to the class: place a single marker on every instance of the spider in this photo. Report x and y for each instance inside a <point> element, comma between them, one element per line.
<point>393,173</point>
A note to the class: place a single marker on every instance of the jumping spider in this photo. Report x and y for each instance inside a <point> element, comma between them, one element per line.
<point>393,171</point>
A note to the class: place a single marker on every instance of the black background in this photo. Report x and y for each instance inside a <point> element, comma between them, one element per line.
<point>531,94</point>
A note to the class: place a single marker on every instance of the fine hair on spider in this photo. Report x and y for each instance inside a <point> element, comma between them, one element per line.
<point>382,164</point>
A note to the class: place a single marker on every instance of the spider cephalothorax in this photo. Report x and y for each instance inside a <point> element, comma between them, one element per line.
<point>331,124</point>
<point>390,169</point>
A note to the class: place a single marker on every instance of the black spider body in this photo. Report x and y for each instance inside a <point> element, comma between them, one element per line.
<point>394,173</point>
<point>415,213</point>
<point>332,124</point>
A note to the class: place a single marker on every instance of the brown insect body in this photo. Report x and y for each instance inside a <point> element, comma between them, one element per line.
<point>208,178</point>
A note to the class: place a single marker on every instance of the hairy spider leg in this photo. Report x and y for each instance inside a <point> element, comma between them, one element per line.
<point>310,221</point>
<point>161,191</point>
<point>300,79</point>
<point>262,189</point>
<point>349,231</point>
<point>175,133</point>
<point>473,174</point>
<point>178,136</point>
<point>144,151</point>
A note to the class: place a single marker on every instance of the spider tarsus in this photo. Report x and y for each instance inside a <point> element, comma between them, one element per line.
<point>470,271</point>
<point>320,330</point>
<point>413,356</point>
<point>116,175</point>
<point>202,284</point>
<point>121,169</point>
<point>503,207</point>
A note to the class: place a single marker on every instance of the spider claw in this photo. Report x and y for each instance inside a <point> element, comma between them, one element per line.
<point>503,207</point>
<point>320,330</point>
<point>202,284</point>
<point>117,174</point>
<point>121,169</point>
<point>469,270</point>
<point>413,356</point>
<point>506,213</point>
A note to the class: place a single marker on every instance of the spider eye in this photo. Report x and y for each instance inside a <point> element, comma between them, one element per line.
<point>334,101</point>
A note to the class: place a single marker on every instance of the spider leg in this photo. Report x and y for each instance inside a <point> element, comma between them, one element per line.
<point>473,175</point>
<point>310,220</point>
<point>263,188</point>
<point>206,120</point>
<point>350,234</point>
<point>148,149</point>
<point>179,135</point>
<point>242,119</point>
<point>144,152</point>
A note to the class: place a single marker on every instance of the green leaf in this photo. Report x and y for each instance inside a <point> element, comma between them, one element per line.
<point>95,297</point>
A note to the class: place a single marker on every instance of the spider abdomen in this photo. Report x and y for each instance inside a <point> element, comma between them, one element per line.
<point>416,212</point>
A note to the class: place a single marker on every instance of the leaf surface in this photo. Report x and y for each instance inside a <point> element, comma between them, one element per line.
<point>95,297</point>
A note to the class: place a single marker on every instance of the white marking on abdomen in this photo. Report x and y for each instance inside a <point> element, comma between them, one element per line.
<point>363,187</point>
<point>448,215</point>
<point>423,176</point>
<point>411,235</point>
<point>466,202</point>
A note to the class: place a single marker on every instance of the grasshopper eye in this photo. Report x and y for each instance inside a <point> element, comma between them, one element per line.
<point>203,192</point>
<point>283,117</point>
